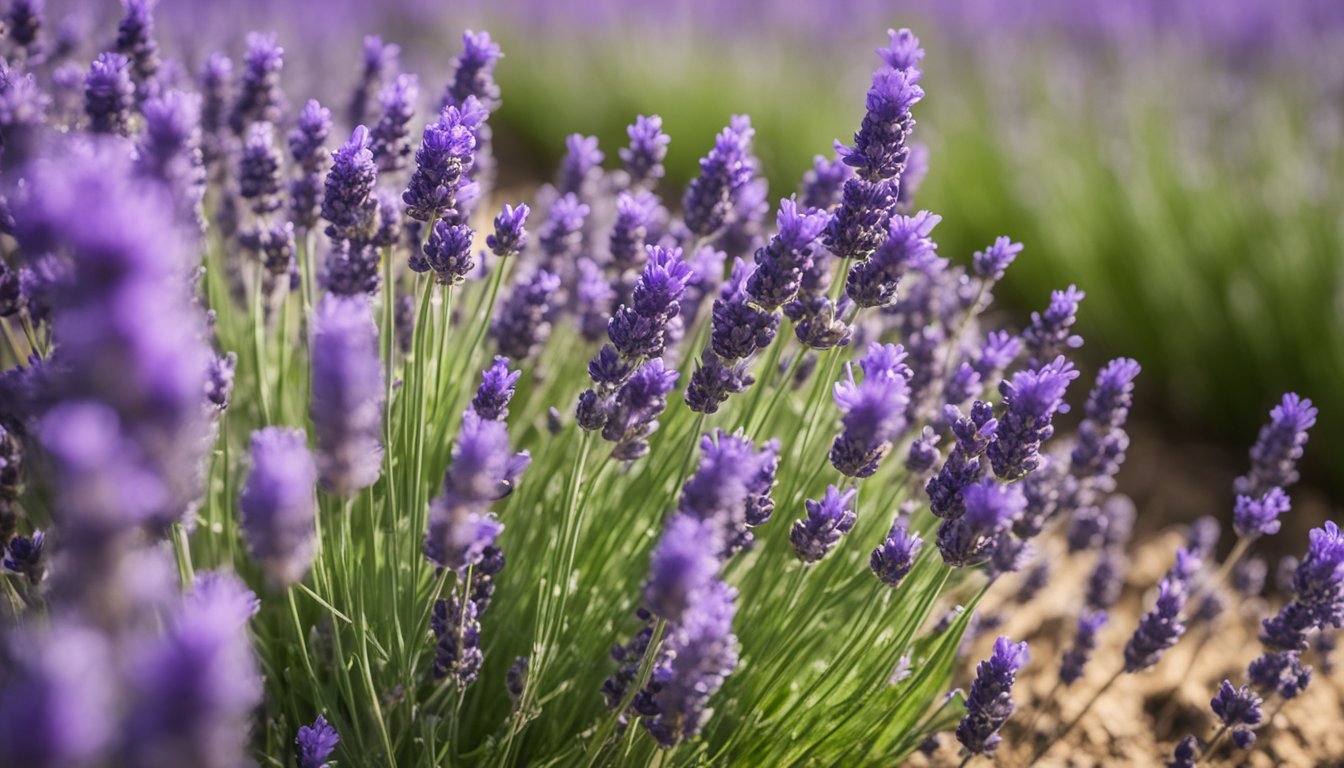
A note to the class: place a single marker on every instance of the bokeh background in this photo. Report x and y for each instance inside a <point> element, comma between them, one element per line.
<point>1181,162</point>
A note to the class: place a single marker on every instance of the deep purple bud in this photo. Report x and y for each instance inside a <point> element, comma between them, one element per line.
<point>1278,447</point>
<point>259,95</point>
<point>390,138</point>
<point>1084,643</point>
<point>996,354</point>
<point>895,556</point>
<point>315,743</point>
<point>23,555</point>
<point>510,235</point>
<point>1030,402</point>
<point>1319,586</point>
<point>520,326</point>
<point>446,153</point>
<point>643,159</point>
<point>637,406</point>
<point>351,269</point>
<point>874,410</point>
<point>991,263</point>
<point>277,505</point>
<point>1101,444</point>
<point>1279,672</point>
<point>818,322</point>
<point>908,247</point>
<point>259,170</point>
<point>1238,708</point>
<point>109,94</point>
<point>989,703</point>
<point>682,567</point>
<point>1159,629</point>
<point>347,398</point>
<point>496,390</point>
<point>827,520</point>
<point>726,168</point>
<point>347,203</point>
<point>1107,579</point>
<point>630,232</point>
<point>307,148</point>
<point>170,150</point>
<point>448,253</point>
<point>1049,334</point>
<point>1186,753</point>
<point>457,653</point>
<point>474,72</point>
<point>483,470</point>
<point>823,185</point>
<point>879,152</point>
<point>739,329</point>
<point>639,330</point>
<point>781,262</point>
<point>860,224</point>
<point>23,21</point>
<point>135,39</point>
<point>923,452</point>
<point>1253,518</point>
<point>990,509</point>
<point>713,381</point>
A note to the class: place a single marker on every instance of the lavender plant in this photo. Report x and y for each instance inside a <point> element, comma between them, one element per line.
<point>278,518</point>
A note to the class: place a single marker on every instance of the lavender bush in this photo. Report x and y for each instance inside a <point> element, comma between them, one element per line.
<point>258,505</point>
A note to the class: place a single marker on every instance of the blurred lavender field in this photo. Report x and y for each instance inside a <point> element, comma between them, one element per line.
<point>1185,156</point>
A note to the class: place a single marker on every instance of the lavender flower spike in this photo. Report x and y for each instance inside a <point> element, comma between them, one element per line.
<point>277,505</point>
<point>1278,447</point>
<point>446,153</point>
<point>1185,754</point>
<point>879,152</point>
<point>682,567</point>
<point>991,263</point>
<point>874,410</point>
<point>827,520</point>
<point>1253,518</point>
<point>702,651</point>
<point>643,159</point>
<point>447,253</point>
<point>483,470</point>
<point>1318,583</point>
<point>1048,335</point>
<point>1084,643</point>
<point>510,235</point>
<point>1238,709</point>
<point>315,743</point>
<point>781,262</point>
<point>307,148</point>
<point>473,72</point>
<point>1030,399</point>
<point>496,390</point>
<point>989,703</point>
<point>894,558</point>
<point>390,138</point>
<point>1159,629</point>
<point>259,95</point>
<point>109,94</point>
<point>348,204</point>
<point>990,509</point>
<point>379,63</point>
<point>520,326</point>
<point>347,400</point>
<point>726,168</point>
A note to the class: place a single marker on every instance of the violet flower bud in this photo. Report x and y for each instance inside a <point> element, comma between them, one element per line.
<point>277,505</point>
<point>474,72</point>
<point>1253,518</point>
<point>347,398</point>
<point>347,202</point>
<point>1278,447</point>
<point>989,703</point>
<point>990,509</point>
<point>726,168</point>
<point>510,235</point>
<point>379,63</point>
<point>259,96</point>
<point>1031,400</point>
<point>109,94</point>
<point>390,138</point>
<point>1084,644</point>
<point>1049,334</point>
<point>1159,629</point>
<point>315,743</point>
<point>991,263</point>
<point>643,159</point>
<point>827,520</point>
<point>894,558</point>
<point>682,568</point>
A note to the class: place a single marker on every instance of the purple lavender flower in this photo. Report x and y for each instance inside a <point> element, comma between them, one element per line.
<point>1159,629</point>
<point>1030,402</point>
<point>630,232</point>
<point>135,40</point>
<point>824,183</point>
<point>1318,584</point>
<point>725,170</point>
<point>643,159</point>
<point>827,520</point>
<point>990,509</point>
<point>447,253</point>
<point>879,152</point>
<point>351,269</point>
<point>216,83</point>
<point>781,262</point>
<point>390,138</point>
<point>194,689</point>
<point>683,566</point>
<point>1084,643</point>
<point>109,94</point>
<point>989,703</point>
<point>520,326</point>
<point>963,465</point>
<point>594,296</point>
<point>510,235</point>
<point>23,555</point>
<point>1107,579</point>
<point>1279,673</point>
<point>483,470</point>
<point>379,64</point>
<point>636,407</point>
<point>582,166</point>
<point>701,652</point>
<point>474,72</point>
<point>170,150</point>
<point>56,708</point>
<point>996,354</point>
<point>1238,709</point>
<point>496,390</point>
<point>638,330</point>
<point>347,203</point>
<point>277,504</point>
<point>442,162</point>
<point>860,224</point>
<point>731,487</point>
<point>259,95</point>
<point>561,237</point>
<point>894,558</point>
<point>23,22</point>
<point>315,743</point>
<point>259,170</point>
<point>347,398</point>
<point>1278,447</point>
<point>1185,754</point>
<point>1049,334</point>
<point>991,263</point>
<point>873,281</point>
<point>738,328</point>
<point>713,381</point>
<point>1253,518</point>
<point>1101,444</point>
<point>923,452</point>
<point>874,410</point>
<point>458,650</point>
